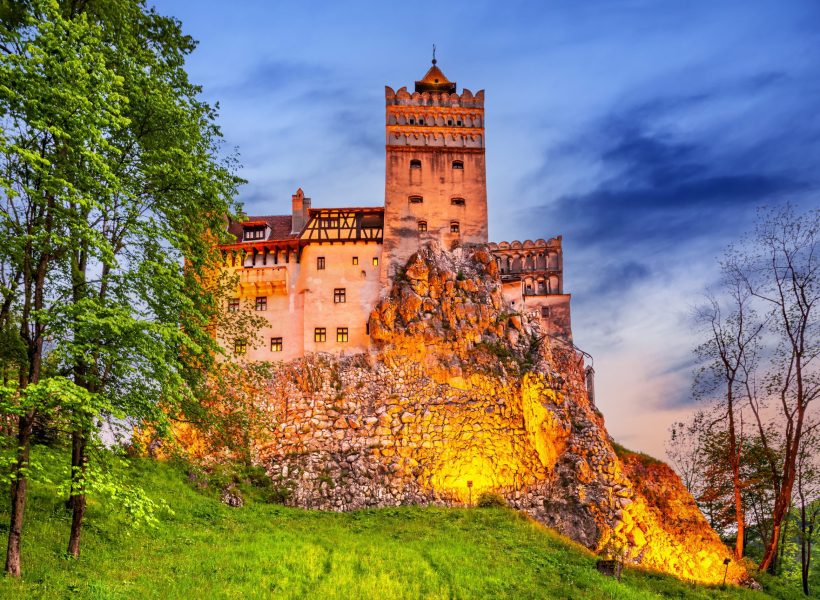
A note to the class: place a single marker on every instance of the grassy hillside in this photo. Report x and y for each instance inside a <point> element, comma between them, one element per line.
<point>208,550</point>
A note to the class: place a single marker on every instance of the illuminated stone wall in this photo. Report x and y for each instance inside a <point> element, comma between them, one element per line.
<point>458,389</point>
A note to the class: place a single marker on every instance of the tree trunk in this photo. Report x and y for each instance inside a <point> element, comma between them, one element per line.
<point>77,500</point>
<point>19,489</point>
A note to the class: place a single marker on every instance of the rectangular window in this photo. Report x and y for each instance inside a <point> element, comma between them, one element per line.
<point>261,303</point>
<point>355,260</point>
<point>240,346</point>
<point>454,228</point>
<point>375,261</point>
<point>233,305</point>
<point>320,263</point>
<point>339,295</point>
<point>545,311</point>
<point>341,334</point>
<point>319,334</point>
<point>276,344</point>
<point>254,233</point>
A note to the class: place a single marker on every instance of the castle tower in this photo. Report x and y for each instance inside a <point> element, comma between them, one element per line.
<point>435,183</point>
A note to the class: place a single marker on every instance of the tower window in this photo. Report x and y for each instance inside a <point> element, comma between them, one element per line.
<point>416,199</point>
<point>454,227</point>
<point>240,346</point>
<point>276,344</point>
<point>459,122</point>
<point>355,260</point>
<point>261,303</point>
<point>457,201</point>
<point>415,164</point>
<point>450,122</point>
<point>233,305</point>
<point>341,334</point>
<point>412,121</point>
<point>375,261</point>
<point>320,263</point>
<point>458,164</point>
<point>339,295</point>
<point>319,334</point>
<point>422,226</point>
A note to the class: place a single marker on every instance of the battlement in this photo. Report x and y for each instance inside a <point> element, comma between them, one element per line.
<point>450,100</point>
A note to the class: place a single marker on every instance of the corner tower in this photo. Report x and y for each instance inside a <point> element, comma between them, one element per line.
<point>435,183</point>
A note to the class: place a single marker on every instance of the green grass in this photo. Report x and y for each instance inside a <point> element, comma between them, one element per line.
<point>208,550</point>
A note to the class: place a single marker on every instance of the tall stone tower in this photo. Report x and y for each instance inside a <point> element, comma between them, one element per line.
<point>435,183</point>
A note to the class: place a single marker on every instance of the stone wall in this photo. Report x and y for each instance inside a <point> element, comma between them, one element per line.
<point>459,389</point>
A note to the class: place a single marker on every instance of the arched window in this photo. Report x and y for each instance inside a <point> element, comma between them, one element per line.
<point>422,226</point>
<point>412,121</point>
<point>454,227</point>
<point>458,164</point>
<point>457,201</point>
<point>415,164</point>
<point>416,199</point>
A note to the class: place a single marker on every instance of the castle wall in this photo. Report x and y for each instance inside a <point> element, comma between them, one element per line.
<point>360,283</point>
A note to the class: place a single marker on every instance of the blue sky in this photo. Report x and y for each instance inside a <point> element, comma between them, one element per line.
<point>645,132</point>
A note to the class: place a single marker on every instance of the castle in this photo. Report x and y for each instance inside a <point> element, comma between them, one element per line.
<point>316,274</point>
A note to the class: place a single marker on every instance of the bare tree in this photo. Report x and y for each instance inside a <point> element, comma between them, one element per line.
<point>728,355</point>
<point>779,267</point>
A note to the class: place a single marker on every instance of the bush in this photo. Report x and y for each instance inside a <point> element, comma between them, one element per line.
<point>490,500</point>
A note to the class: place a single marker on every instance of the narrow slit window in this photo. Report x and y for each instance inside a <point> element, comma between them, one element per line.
<point>341,334</point>
<point>454,227</point>
<point>375,261</point>
<point>261,303</point>
<point>320,263</point>
<point>355,260</point>
<point>422,226</point>
<point>319,334</point>
<point>276,344</point>
<point>340,295</point>
<point>458,164</point>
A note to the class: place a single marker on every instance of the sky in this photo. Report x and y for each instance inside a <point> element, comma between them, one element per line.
<point>646,132</point>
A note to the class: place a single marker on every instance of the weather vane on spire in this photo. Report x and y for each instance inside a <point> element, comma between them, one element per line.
<point>434,54</point>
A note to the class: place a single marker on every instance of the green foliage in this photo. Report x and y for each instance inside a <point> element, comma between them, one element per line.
<point>490,500</point>
<point>206,549</point>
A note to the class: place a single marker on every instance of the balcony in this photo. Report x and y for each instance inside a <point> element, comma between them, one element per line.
<point>263,282</point>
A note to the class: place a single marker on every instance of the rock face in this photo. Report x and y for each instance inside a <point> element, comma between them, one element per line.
<point>462,395</point>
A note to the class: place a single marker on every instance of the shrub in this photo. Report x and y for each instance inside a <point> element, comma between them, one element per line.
<point>490,500</point>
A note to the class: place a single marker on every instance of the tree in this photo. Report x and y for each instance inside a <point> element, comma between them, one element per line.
<point>808,500</point>
<point>116,195</point>
<point>728,354</point>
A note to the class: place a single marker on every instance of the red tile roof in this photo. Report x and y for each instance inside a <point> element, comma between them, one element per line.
<point>280,226</point>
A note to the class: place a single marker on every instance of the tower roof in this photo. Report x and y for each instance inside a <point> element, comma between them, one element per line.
<point>435,81</point>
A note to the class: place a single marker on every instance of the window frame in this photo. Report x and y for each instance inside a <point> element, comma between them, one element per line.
<point>276,344</point>
<point>415,199</point>
<point>339,295</point>
<point>355,260</point>
<point>240,346</point>
<point>342,335</point>
<point>233,305</point>
<point>422,225</point>
<point>320,263</point>
<point>375,261</point>
<point>263,302</point>
<point>458,202</point>
<point>319,335</point>
<point>458,165</point>
<point>455,227</point>
<point>415,163</point>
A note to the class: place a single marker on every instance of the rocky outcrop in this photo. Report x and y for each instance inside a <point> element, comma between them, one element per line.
<point>461,395</point>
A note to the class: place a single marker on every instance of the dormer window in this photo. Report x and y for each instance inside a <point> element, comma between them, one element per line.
<point>257,232</point>
<point>458,164</point>
<point>415,164</point>
<point>457,201</point>
<point>416,199</point>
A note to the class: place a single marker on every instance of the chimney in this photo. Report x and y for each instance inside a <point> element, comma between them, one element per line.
<point>301,205</point>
